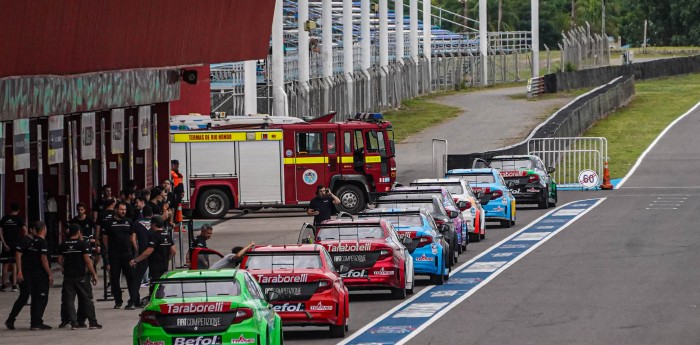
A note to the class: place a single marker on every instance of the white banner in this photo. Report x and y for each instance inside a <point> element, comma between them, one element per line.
<point>2,149</point>
<point>144,123</point>
<point>56,134</point>
<point>87,137</point>
<point>118,131</point>
<point>20,144</point>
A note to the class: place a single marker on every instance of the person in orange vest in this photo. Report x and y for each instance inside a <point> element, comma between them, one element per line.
<point>178,187</point>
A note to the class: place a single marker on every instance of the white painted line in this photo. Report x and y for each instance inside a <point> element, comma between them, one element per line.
<point>661,208</point>
<point>663,201</point>
<point>486,267</point>
<point>651,146</point>
<point>486,252</point>
<point>532,236</point>
<point>664,205</point>
<point>494,275</point>
<point>569,212</point>
<point>502,255</point>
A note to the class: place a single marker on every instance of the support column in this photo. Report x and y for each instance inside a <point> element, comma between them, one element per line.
<point>383,50</point>
<point>535,19</point>
<point>427,40</point>
<point>413,37</point>
<point>348,62</point>
<point>398,30</point>
<point>366,63</point>
<point>483,43</point>
<point>278,94</point>
<point>303,57</point>
<point>327,53</point>
<point>250,84</point>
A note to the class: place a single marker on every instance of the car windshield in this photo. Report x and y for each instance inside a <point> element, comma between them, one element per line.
<point>477,178</point>
<point>428,206</point>
<point>512,164</point>
<point>349,233</point>
<point>199,288</point>
<point>286,261</point>
<point>399,221</point>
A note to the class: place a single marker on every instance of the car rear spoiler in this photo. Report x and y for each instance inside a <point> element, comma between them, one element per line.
<point>195,279</point>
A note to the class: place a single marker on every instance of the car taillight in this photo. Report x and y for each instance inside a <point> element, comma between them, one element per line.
<point>324,285</point>
<point>468,205</point>
<point>149,317</point>
<point>242,314</point>
<point>533,179</point>
<point>439,222</point>
<point>456,200</point>
<point>424,241</point>
<point>496,194</point>
<point>384,253</point>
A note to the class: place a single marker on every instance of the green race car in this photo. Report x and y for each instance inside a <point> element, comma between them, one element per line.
<point>207,307</point>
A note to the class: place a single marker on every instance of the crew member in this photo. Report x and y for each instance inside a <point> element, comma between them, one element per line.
<point>24,278</point>
<point>87,230</point>
<point>234,259</point>
<point>142,229</point>
<point>160,251</point>
<point>323,205</point>
<point>101,203</point>
<point>139,205</point>
<point>12,229</point>
<point>200,241</point>
<point>104,219</point>
<point>178,187</point>
<point>120,244</point>
<point>41,276</point>
<point>74,258</point>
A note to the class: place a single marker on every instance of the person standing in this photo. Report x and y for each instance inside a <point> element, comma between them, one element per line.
<point>156,201</point>
<point>101,203</point>
<point>200,241</point>
<point>160,251</point>
<point>127,197</point>
<point>178,187</point>
<point>139,205</point>
<point>40,276</point>
<point>120,244</point>
<point>12,229</point>
<point>74,258</point>
<point>142,229</point>
<point>104,219</point>
<point>323,205</point>
<point>23,278</point>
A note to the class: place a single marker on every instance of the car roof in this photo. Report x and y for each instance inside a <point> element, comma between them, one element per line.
<point>438,181</point>
<point>359,222</point>
<point>287,248</point>
<point>409,197</point>
<point>384,210</point>
<point>472,171</point>
<point>512,157</point>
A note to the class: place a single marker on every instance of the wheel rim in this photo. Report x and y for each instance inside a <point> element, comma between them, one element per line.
<point>349,200</point>
<point>214,204</point>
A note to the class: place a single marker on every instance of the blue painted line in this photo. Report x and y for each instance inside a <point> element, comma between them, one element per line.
<point>409,318</point>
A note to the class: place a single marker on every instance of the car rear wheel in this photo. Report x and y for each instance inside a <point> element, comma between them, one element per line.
<point>338,331</point>
<point>505,223</point>
<point>474,237</point>
<point>482,236</point>
<point>438,279</point>
<point>398,293</point>
<point>544,202</point>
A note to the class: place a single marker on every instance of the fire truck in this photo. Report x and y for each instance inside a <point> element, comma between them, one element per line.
<point>251,162</point>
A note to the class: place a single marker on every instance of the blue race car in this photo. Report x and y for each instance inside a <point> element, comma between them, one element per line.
<point>501,203</point>
<point>428,247</point>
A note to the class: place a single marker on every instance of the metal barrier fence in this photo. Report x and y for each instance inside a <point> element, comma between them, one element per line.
<point>570,156</point>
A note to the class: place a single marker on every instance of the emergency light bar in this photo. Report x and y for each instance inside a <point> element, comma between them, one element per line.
<point>369,117</point>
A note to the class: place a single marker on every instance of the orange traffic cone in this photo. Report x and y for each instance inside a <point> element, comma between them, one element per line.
<point>178,219</point>
<point>606,178</point>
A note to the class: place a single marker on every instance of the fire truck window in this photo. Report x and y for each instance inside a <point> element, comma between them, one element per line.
<point>382,145</point>
<point>330,140</point>
<point>372,142</point>
<point>309,143</point>
<point>359,143</point>
<point>347,142</point>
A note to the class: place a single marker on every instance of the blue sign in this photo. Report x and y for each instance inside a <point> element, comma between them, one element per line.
<point>409,318</point>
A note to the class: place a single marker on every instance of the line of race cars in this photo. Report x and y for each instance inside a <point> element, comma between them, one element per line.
<point>418,229</point>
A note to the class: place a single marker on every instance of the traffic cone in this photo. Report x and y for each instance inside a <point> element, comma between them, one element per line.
<point>178,219</point>
<point>606,178</point>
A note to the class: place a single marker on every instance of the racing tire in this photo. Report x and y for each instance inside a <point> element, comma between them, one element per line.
<point>213,204</point>
<point>352,200</point>
<point>474,237</point>
<point>438,279</point>
<point>482,236</point>
<point>505,223</point>
<point>413,285</point>
<point>398,293</point>
<point>338,331</point>
<point>544,203</point>
<point>455,256</point>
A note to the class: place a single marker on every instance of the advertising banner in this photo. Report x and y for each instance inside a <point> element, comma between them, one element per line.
<point>56,134</point>
<point>20,144</point>
<point>2,148</point>
<point>87,137</point>
<point>144,123</point>
<point>117,131</point>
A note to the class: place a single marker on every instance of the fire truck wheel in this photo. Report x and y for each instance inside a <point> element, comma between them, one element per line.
<point>351,199</point>
<point>213,204</point>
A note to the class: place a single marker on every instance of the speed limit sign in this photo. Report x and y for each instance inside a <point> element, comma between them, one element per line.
<point>588,178</point>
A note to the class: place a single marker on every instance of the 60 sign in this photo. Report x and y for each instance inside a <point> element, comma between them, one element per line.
<point>588,178</point>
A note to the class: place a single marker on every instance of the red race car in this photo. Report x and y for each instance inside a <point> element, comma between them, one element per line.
<point>311,291</point>
<point>371,248</point>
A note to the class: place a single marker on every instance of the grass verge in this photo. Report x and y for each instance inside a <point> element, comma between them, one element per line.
<point>631,129</point>
<point>418,114</point>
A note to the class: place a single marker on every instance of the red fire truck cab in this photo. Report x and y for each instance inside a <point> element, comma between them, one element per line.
<point>250,162</point>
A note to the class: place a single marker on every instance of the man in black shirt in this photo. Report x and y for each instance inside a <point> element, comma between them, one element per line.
<point>74,257</point>
<point>140,204</point>
<point>156,201</point>
<point>40,275</point>
<point>127,197</point>
<point>120,243</point>
<point>159,252</point>
<point>23,278</point>
<point>101,203</point>
<point>323,205</point>
<point>12,229</point>
<point>142,229</point>
<point>200,241</point>
<point>104,219</point>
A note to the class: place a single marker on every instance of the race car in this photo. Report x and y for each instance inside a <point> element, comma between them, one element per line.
<point>461,225</point>
<point>208,307</point>
<point>371,248</point>
<point>311,290</point>
<point>532,182</point>
<point>501,204</point>
<point>466,199</point>
<point>428,248</point>
<point>435,206</point>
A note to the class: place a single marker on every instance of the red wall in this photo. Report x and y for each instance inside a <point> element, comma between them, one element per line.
<point>194,98</point>
<point>80,36</point>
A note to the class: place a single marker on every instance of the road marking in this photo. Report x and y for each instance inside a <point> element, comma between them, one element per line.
<point>533,236</point>
<point>410,317</point>
<point>651,146</point>
<point>662,208</point>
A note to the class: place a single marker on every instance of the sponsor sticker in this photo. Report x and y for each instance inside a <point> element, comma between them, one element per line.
<point>383,272</point>
<point>310,176</point>
<point>349,258</point>
<point>533,190</point>
<point>271,279</point>
<point>243,340</point>
<point>195,308</point>
<point>349,247</point>
<point>149,342</point>
<point>288,307</point>
<point>434,248</point>
<point>321,307</point>
<point>354,274</point>
<point>200,340</point>
<point>424,258</point>
<point>498,209</point>
<point>284,291</point>
<point>198,322</point>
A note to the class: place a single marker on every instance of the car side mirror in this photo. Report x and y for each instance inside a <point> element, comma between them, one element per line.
<point>406,240</point>
<point>443,228</point>
<point>551,170</point>
<point>272,296</point>
<point>452,213</point>
<point>462,205</point>
<point>342,269</point>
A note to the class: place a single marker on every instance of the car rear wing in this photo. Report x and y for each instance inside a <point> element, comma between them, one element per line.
<point>198,279</point>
